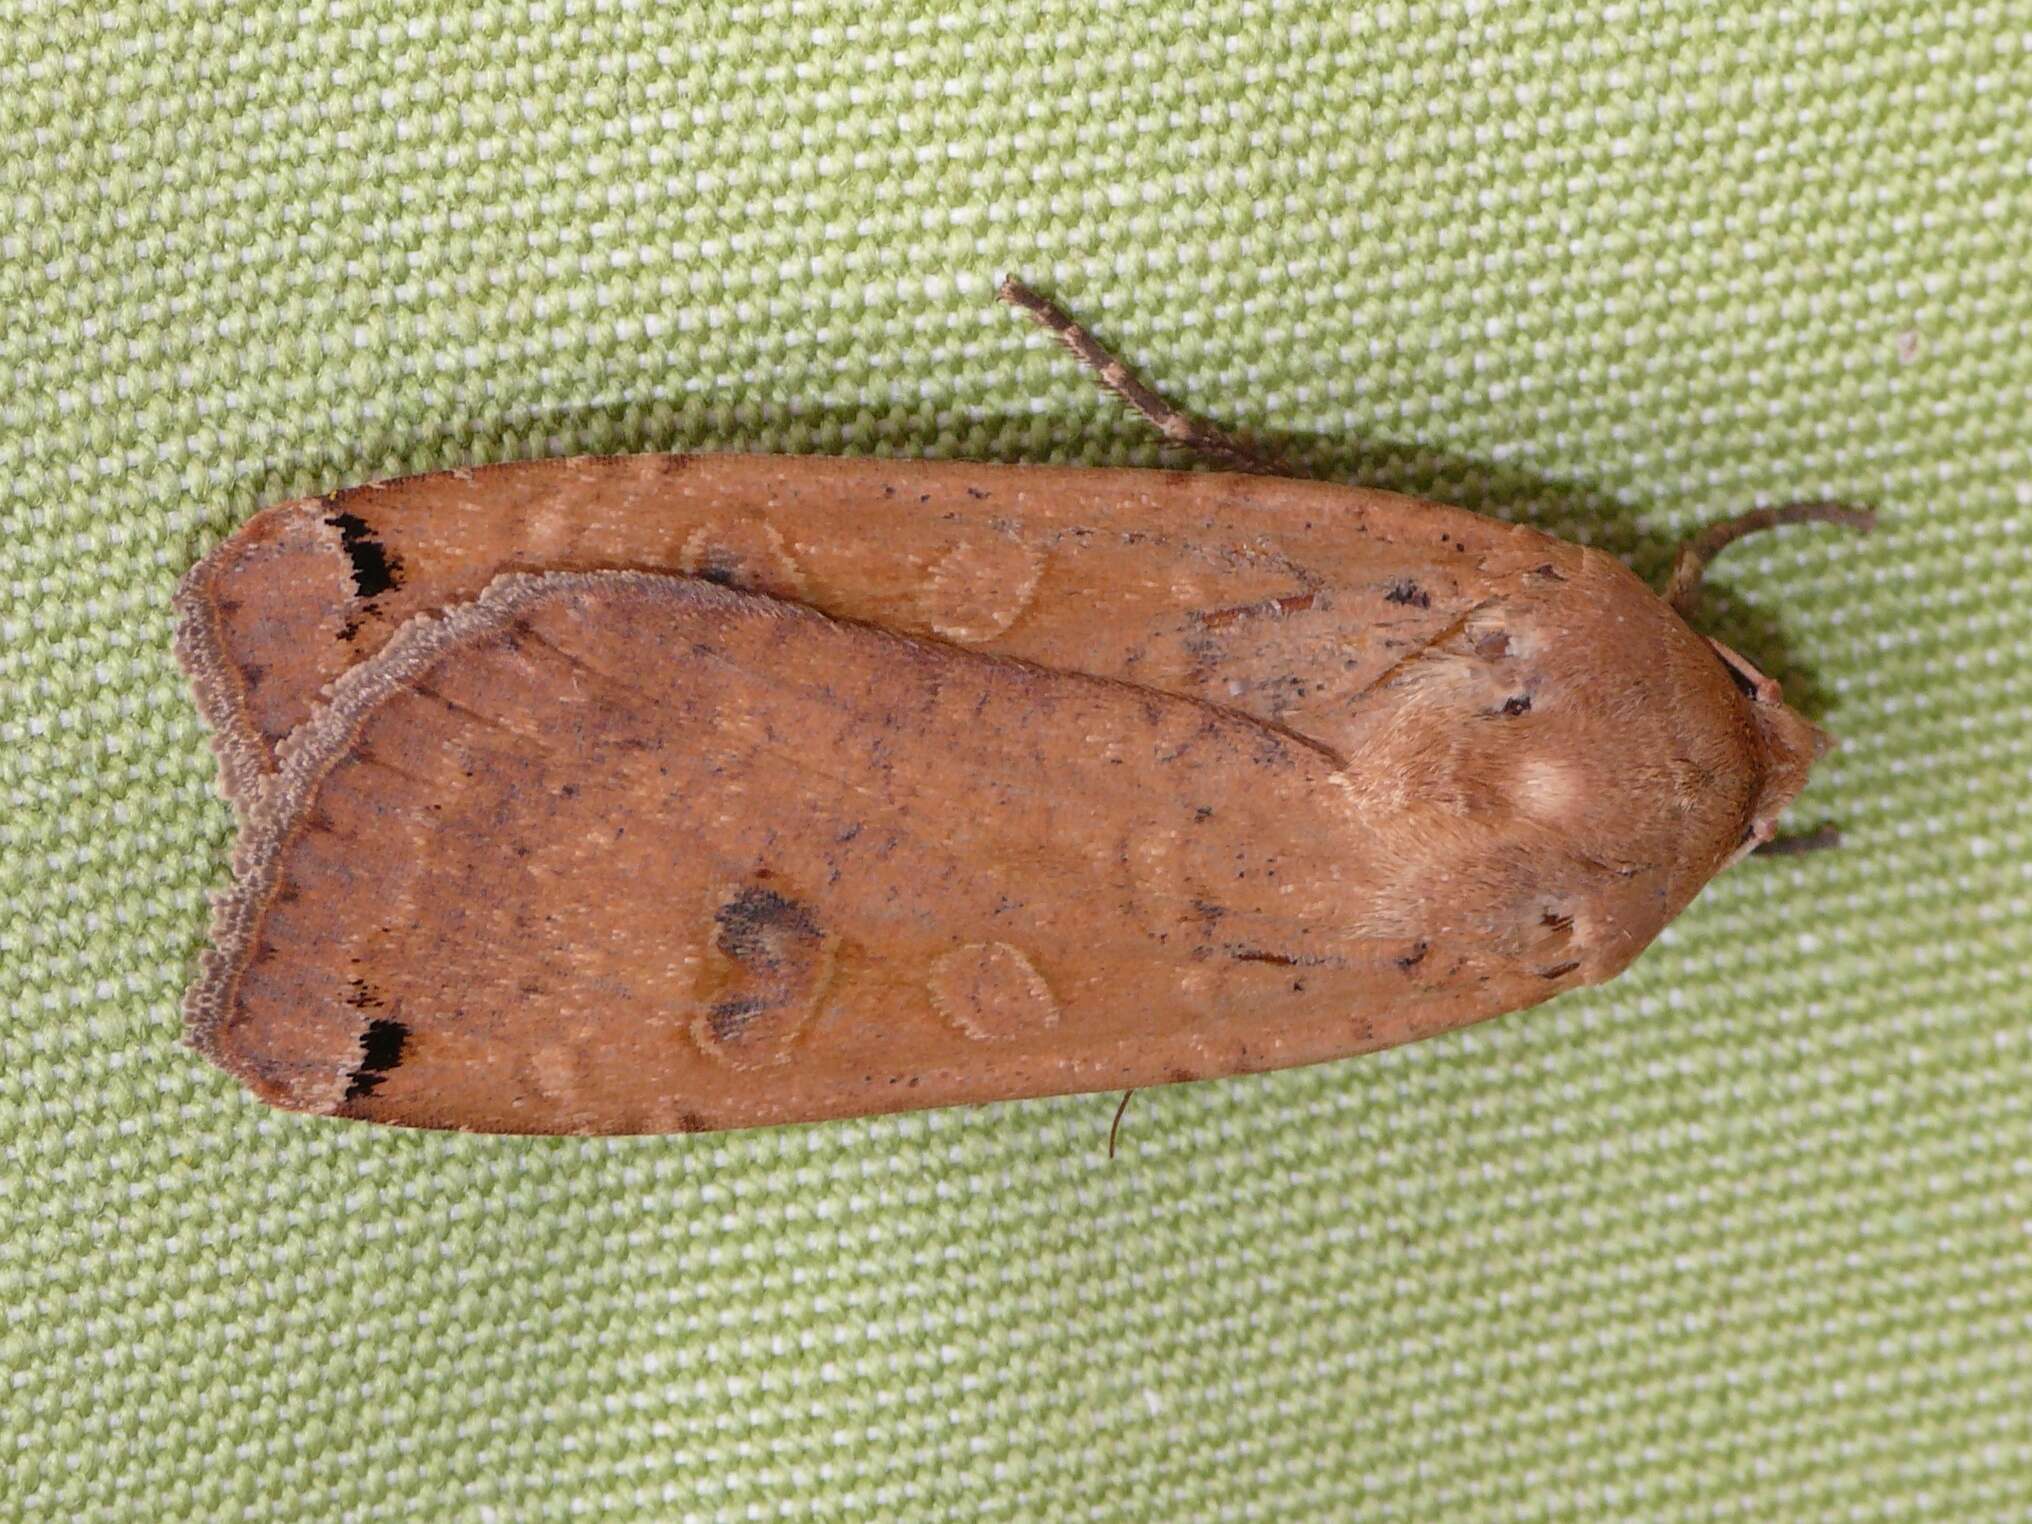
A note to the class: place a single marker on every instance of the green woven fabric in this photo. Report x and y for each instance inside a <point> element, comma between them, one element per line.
<point>1746,1235</point>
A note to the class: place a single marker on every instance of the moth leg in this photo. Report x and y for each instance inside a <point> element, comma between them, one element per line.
<point>1682,590</point>
<point>1795,843</point>
<point>1115,1127</point>
<point>1173,423</point>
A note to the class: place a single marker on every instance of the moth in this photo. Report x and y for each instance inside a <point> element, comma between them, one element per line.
<point>670,793</point>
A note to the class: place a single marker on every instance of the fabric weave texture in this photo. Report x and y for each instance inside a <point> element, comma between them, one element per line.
<point>1745,1235</point>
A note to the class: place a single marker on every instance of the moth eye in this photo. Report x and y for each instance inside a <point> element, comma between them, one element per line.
<point>1741,679</point>
<point>1751,683</point>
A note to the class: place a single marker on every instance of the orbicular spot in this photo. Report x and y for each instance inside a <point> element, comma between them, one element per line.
<point>559,1073</point>
<point>1408,593</point>
<point>990,992</point>
<point>745,554</point>
<point>762,977</point>
<point>1546,788</point>
<point>980,587</point>
<point>1167,899</point>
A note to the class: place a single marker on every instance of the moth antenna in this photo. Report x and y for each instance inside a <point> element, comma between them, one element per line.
<point>1689,567</point>
<point>1682,592</point>
<point>1174,423</point>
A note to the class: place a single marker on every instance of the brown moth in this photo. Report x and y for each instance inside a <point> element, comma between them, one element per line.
<point>670,793</point>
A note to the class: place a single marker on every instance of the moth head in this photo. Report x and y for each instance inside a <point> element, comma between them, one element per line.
<point>1790,744</point>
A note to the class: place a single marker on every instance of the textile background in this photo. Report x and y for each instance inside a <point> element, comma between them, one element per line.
<point>1745,1235</point>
